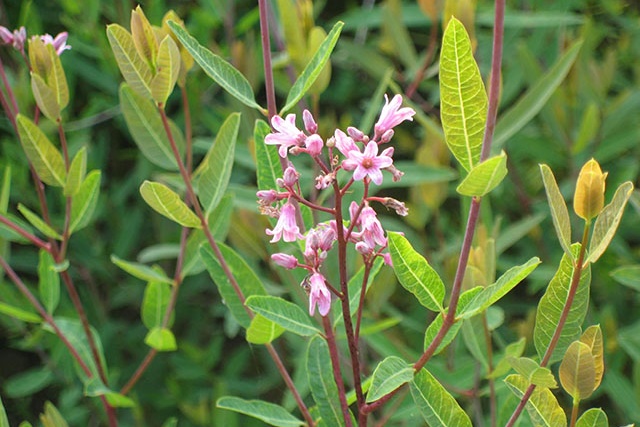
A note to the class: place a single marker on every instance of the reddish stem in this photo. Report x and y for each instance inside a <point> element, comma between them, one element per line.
<point>266,58</point>
<point>33,239</point>
<point>337,375</point>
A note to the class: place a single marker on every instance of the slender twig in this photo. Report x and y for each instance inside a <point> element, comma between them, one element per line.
<point>33,239</point>
<point>10,93</point>
<point>266,57</point>
<point>337,375</point>
<point>492,385</point>
<point>365,279</point>
<point>188,132</point>
<point>574,412</point>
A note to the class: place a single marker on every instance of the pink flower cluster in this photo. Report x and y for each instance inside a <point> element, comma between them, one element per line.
<point>17,39</point>
<point>352,152</point>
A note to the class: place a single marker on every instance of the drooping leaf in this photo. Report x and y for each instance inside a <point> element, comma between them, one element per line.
<point>390,374</point>
<point>43,155</point>
<point>592,337</point>
<point>269,413</point>
<point>217,164</point>
<point>628,275</point>
<point>594,417</point>
<point>223,73</point>
<point>134,68</point>
<point>168,203</point>
<point>77,172</point>
<point>286,314</point>
<point>267,158</point>
<point>322,384</point>
<point>577,371</point>
<point>542,406</point>
<point>85,201</point>
<point>48,282</point>
<point>463,96</point>
<point>484,177</point>
<point>20,314</point>
<point>35,220</point>
<point>248,282</point>
<point>161,339</point>
<point>141,271</point>
<point>531,371</point>
<point>607,222</point>
<point>167,70</point>
<point>313,68</point>
<point>415,274</point>
<point>553,302</point>
<point>154,303</point>
<point>436,405</point>
<point>559,211</point>
<point>45,98</point>
<point>262,330</point>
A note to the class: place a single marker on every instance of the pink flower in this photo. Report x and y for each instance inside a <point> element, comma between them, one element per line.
<point>309,123</point>
<point>319,294</point>
<point>372,232</point>
<point>314,145</point>
<point>286,228</point>
<point>59,43</point>
<point>285,260</point>
<point>392,115</point>
<point>286,135</point>
<point>367,163</point>
<point>344,143</point>
<point>15,38</point>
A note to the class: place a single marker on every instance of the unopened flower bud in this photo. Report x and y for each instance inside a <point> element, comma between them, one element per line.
<point>309,123</point>
<point>386,137</point>
<point>588,200</point>
<point>291,176</point>
<point>267,196</point>
<point>355,133</point>
<point>314,145</point>
<point>285,260</point>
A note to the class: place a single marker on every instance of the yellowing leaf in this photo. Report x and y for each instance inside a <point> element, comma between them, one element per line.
<point>577,371</point>
<point>134,68</point>
<point>45,98</point>
<point>56,79</point>
<point>143,36</point>
<point>43,155</point>
<point>167,69</point>
<point>559,211</point>
<point>594,417</point>
<point>592,337</point>
<point>542,406</point>
<point>168,204</point>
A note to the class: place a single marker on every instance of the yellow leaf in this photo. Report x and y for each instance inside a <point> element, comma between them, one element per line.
<point>593,338</point>
<point>577,371</point>
<point>167,69</point>
<point>588,200</point>
<point>45,98</point>
<point>56,79</point>
<point>143,36</point>
<point>135,70</point>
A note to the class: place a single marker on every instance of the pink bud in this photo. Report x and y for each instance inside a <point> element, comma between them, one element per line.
<point>291,176</point>
<point>309,123</point>
<point>314,145</point>
<point>285,260</point>
<point>355,133</point>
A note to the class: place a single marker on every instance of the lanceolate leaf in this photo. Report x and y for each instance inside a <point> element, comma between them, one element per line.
<point>463,97</point>
<point>559,211</point>
<point>43,155</point>
<point>313,68</point>
<point>141,271</point>
<point>594,417</point>
<point>323,386</point>
<point>355,289</point>
<point>284,313</point>
<point>167,69</point>
<point>390,374</point>
<point>484,177</point>
<point>134,68</point>
<point>577,371</point>
<point>608,221</point>
<point>262,330</point>
<point>45,98</point>
<point>76,174</point>
<point>415,274</point>
<point>542,406</point>
<point>38,222</point>
<point>48,282</point>
<point>4,421</point>
<point>20,314</point>
<point>267,158</point>
<point>217,165</point>
<point>217,68</point>
<point>56,79</point>
<point>271,414</point>
<point>435,403</point>
<point>85,201</point>
<point>592,337</point>
<point>552,303</point>
<point>154,304</point>
<point>169,204</point>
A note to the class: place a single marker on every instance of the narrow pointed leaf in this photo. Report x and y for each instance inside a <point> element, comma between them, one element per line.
<point>43,155</point>
<point>134,68</point>
<point>161,339</point>
<point>607,222</point>
<point>48,282</point>
<point>436,405</point>
<point>493,293</point>
<point>284,313</point>
<point>35,220</point>
<point>76,174</point>
<point>322,384</point>
<point>415,274</point>
<point>248,282</point>
<point>542,406</point>
<point>355,289</point>
<point>45,98</point>
<point>269,413</point>
<point>577,371</point>
<point>594,417</point>
<point>262,330</point>
<point>390,374</point>
<point>141,271</point>
<point>85,201</point>
<point>167,70</point>
<point>20,314</point>
<point>56,79</point>
<point>267,158</point>
<point>168,203</point>
<point>559,211</point>
<point>551,305</point>
<point>592,337</point>
<point>223,73</point>
<point>154,303</point>
<point>217,165</point>
<point>463,96</point>
<point>313,68</point>
<point>530,370</point>
<point>484,177</point>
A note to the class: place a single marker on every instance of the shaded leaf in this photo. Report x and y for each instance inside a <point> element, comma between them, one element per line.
<point>154,303</point>
<point>4,421</point>
<point>503,366</point>
<point>161,339</point>
<point>94,387</point>
<point>85,201</point>
<point>35,220</point>
<point>628,275</point>
<point>18,313</point>
<point>168,203</point>
<point>284,313</point>
<point>435,403</point>
<point>530,370</point>
<point>134,68</point>
<point>592,337</point>
<point>559,211</point>
<point>43,155</point>
<point>48,282</point>
<point>52,417</point>
<point>542,406</point>
<point>141,271</point>
<point>484,177</point>
<point>262,330</point>
<point>322,384</point>
<point>56,79</point>
<point>76,174</point>
<point>267,158</point>
<point>390,374</point>
<point>45,98</point>
<point>271,414</point>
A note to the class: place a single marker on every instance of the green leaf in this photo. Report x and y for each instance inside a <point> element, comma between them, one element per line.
<point>48,282</point>
<point>552,303</point>
<point>27,383</point>
<point>462,96</point>
<point>594,417</point>
<point>607,222</point>
<point>4,421</point>
<point>435,403</point>
<point>628,275</point>
<point>38,222</point>
<point>512,350</point>
<point>161,339</point>
<point>484,177</point>
<point>145,125</point>
<point>94,388</point>
<point>578,371</point>
<point>84,203</point>
<point>52,416</point>
<point>493,293</point>
<point>45,98</point>
<point>168,203</point>
<point>134,68</point>
<point>56,79</point>
<point>355,289</point>
<point>154,304</point>
<point>77,171</point>
<point>530,370</point>
<point>559,211</point>
<point>284,313</point>
<point>322,384</point>
<point>473,335</point>
<point>542,406</point>
<point>217,68</point>
<point>415,274</point>
<point>247,280</point>
<point>141,271</point>
<point>168,68</point>
<point>18,313</point>
<point>530,104</point>
<point>267,158</point>
<point>43,155</point>
<point>313,68</point>
<point>390,374</point>
<point>217,165</point>
<point>262,330</point>
<point>271,414</point>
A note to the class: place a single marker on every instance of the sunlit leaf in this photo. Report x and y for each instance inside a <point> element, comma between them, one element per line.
<point>484,177</point>
<point>286,314</point>
<point>559,211</point>
<point>94,387</point>
<point>390,374</point>
<point>577,371</point>
<point>167,69</point>
<point>269,413</point>
<point>161,339</point>
<point>503,366</point>
<point>4,421</point>
<point>262,330</point>
<point>435,403</point>
<point>594,417</point>
<point>168,204</point>
<point>35,220</point>
<point>143,35</point>
<point>134,68</point>
<point>45,98</point>
<point>530,370</point>
<point>56,78</point>
<point>43,155</point>
<point>542,406</point>
<point>592,337</point>
<point>52,417</point>
<point>85,201</point>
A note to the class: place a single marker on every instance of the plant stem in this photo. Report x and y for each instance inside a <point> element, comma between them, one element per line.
<point>492,385</point>
<point>188,132</point>
<point>33,239</point>
<point>266,58</point>
<point>337,375</point>
<point>574,413</point>
<point>365,279</point>
<point>5,81</point>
